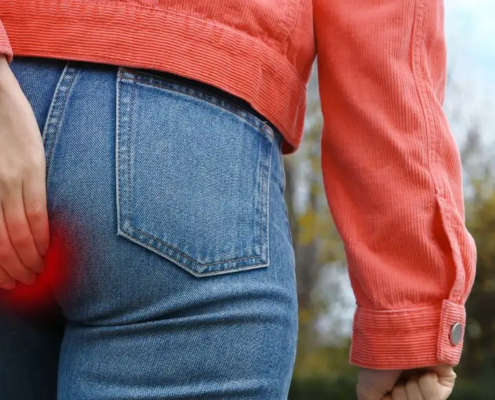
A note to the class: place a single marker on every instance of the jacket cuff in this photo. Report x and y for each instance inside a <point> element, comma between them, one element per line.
<point>407,339</point>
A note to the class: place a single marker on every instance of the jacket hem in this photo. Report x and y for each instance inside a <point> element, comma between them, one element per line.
<point>118,34</point>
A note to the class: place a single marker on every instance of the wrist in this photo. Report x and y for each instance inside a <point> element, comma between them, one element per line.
<point>7,78</point>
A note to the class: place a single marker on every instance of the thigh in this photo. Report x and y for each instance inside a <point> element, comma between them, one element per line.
<point>31,325</point>
<point>29,349</point>
<point>181,280</point>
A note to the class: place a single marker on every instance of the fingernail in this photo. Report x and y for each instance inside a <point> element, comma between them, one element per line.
<point>8,286</point>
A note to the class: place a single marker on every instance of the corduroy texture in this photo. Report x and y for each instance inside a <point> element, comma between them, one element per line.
<point>125,33</point>
<point>403,339</point>
<point>4,43</point>
<point>391,169</point>
<point>393,177</point>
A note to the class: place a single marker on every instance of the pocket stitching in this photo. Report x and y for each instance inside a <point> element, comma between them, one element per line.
<point>197,94</point>
<point>56,114</point>
<point>125,228</point>
<point>266,131</point>
<point>175,249</point>
<point>185,267</point>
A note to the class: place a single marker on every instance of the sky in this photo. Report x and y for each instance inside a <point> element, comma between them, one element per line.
<point>470,34</point>
<point>470,31</point>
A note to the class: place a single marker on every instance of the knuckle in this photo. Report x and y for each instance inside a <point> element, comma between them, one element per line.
<point>21,239</point>
<point>10,178</point>
<point>398,391</point>
<point>364,391</point>
<point>35,212</point>
<point>427,378</point>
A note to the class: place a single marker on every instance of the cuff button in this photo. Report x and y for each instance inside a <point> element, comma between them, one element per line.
<point>456,334</point>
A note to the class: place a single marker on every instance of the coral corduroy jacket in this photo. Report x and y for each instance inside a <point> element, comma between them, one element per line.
<point>392,171</point>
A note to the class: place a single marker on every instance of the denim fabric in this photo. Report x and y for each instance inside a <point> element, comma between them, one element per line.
<point>178,276</point>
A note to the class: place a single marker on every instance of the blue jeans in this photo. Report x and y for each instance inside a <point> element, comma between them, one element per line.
<point>178,275</point>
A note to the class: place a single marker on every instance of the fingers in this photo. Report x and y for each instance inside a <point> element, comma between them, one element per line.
<point>366,390</point>
<point>413,391</point>
<point>23,219</point>
<point>429,385</point>
<point>20,231</point>
<point>6,281</point>
<point>34,190</point>
<point>445,378</point>
<point>443,371</point>
<point>438,383</point>
<point>433,383</point>
<point>425,387</point>
<point>374,384</point>
<point>399,393</point>
<point>9,258</point>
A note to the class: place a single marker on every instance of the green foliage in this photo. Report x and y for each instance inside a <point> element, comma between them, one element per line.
<point>322,388</point>
<point>327,361</point>
<point>475,390</point>
<point>479,346</point>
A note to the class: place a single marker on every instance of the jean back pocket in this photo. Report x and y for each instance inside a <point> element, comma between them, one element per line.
<point>193,174</point>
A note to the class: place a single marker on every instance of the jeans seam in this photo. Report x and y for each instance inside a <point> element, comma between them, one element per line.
<point>127,229</point>
<point>284,186</point>
<point>203,96</point>
<point>192,271</point>
<point>56,113</point>
<point>173,248</point>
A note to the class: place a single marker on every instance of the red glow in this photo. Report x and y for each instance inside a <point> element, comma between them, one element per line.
<point>38,297</point>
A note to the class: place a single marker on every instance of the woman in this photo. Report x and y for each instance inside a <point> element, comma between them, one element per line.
<point>159,127</point>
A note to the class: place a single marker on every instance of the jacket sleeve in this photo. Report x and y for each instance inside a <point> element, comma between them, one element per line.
<point>4,43</point>
<point>392,176</point>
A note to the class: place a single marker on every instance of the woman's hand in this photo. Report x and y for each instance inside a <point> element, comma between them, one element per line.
<point>433,383</point>
<point>24,233</point>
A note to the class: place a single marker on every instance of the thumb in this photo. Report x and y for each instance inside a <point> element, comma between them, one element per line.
<point>374,384</point>
<point>445,373</point>
<point>438,383</point>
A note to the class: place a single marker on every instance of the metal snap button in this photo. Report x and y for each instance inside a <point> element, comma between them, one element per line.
<point>456,334</point>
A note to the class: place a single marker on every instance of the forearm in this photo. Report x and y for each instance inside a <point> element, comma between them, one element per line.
<point>392,176</point>
<point>8,81</point>
<point>6,75</point>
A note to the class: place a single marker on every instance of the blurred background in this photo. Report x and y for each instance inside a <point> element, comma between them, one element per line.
<point>326,301</point>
